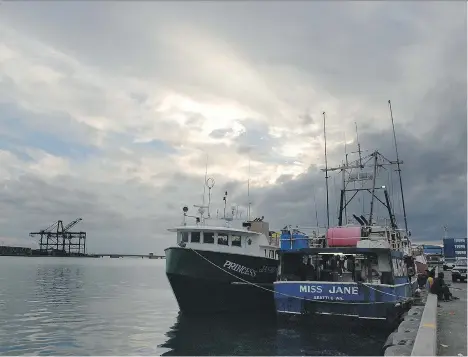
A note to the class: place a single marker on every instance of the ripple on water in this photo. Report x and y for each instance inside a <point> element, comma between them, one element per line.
<point>54,306</point>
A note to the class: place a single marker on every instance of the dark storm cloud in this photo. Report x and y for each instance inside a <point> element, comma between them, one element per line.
<point>434,174</point>
<point>357,55</point>
<point>360,53</point>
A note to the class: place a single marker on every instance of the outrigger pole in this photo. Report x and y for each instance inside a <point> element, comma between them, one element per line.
<point>326,170</point>
<point>398,166</point>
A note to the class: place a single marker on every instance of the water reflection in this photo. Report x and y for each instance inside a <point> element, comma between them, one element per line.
<point>265,335</point>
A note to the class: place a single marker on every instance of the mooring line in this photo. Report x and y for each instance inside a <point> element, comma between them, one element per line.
<point>297,297</point>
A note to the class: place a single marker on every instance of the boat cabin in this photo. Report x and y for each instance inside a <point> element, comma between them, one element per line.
<point>254,238</point>
<point>346,254</point>
<point>365,265</point>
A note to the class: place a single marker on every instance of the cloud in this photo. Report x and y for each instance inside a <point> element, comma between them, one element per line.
<point>113,121</point>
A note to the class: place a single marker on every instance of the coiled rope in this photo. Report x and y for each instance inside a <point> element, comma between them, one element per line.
<point>303,298</point>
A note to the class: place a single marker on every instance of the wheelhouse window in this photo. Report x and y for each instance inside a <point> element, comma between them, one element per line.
<point>222,239</point>
<point>208,237</point>
<point>184,236</point>
<point>195,237</point>
<point>235,241</point>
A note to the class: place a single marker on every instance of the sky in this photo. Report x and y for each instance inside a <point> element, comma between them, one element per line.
<point>110,110</point>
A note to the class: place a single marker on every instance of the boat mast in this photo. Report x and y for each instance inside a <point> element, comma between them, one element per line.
<point>373,188</point>
<point>358,145</point>
<point>398,166</point>
<point>326,170</point>
<point>316,211</point>
<point>344,179</point>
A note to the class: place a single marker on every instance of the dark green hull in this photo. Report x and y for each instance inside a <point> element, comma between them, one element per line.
<point>218,282</point>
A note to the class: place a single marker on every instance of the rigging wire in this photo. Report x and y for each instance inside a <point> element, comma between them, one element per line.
<point>334,196</point>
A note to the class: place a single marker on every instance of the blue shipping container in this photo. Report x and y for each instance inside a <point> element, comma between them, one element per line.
<point>432,249</point>
<point>455,248</point>
<point>449,248</point>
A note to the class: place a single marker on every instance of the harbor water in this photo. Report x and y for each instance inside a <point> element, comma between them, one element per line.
<point>103,306</point>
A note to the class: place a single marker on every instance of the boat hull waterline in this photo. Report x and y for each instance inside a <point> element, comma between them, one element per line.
<point>218,282</point>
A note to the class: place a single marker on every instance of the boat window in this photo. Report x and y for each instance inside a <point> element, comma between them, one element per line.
<point>208,237</point>
<point>236,241</point>
<point>185,236</point>
<point>222,239</point>
<point>195,237</point>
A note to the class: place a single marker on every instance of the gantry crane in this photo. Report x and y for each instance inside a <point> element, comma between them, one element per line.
<point>55,238</point>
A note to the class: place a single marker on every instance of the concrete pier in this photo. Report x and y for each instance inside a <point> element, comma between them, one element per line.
<point>425,343</point>
<point>443,327</point>
<point>451,322</point>
<point>435,328</point>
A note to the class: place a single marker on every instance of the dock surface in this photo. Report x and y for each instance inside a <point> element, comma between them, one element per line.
<point>451,324</point>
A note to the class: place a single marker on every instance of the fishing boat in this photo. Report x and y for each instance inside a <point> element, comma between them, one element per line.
<point>363,269</point>
<point>217,263</point>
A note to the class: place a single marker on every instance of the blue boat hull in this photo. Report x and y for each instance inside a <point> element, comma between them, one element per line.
<point>353,300</point>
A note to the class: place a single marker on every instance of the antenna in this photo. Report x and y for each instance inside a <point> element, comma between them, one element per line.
<point>345,149</point>
<point>358,146</point>
<point>204,186</point>
<point>210,182</point>
<point>225,201</point>
<point>248,193</point>
<point>326,170</point>
<point>398,166</point>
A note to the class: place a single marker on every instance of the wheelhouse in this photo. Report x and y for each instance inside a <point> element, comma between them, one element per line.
<point>375,266</point>
<point>226,239</point>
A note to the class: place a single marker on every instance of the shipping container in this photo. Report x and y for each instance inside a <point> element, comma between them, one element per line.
<point>432,250</point>
<point>455,248</point>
